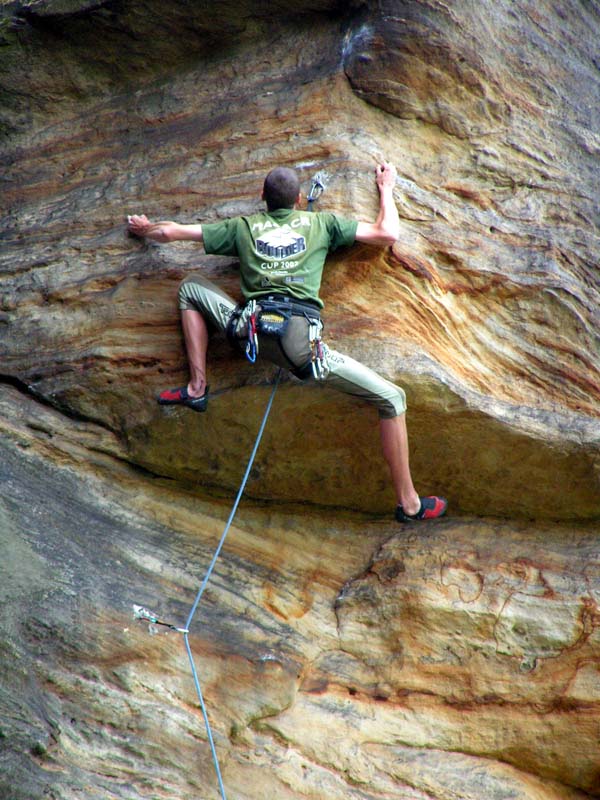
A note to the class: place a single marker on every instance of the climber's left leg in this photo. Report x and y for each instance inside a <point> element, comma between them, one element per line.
<point>351,377</point>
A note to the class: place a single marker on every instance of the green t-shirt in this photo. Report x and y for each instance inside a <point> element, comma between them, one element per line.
<point>281,251</point>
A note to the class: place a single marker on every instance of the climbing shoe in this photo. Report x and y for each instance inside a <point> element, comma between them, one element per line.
<point>180,397</point>
<point>431,508</point>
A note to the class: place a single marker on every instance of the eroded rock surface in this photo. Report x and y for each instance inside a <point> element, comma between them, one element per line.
<point>339,656</point>
<point>343,657</point>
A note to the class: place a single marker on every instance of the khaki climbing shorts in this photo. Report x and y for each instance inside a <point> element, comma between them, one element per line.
<point>292,351</point>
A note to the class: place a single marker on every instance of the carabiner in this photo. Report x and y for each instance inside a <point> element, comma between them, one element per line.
<point>252,345</point>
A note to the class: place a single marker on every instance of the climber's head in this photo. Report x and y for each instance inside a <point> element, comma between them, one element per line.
<point>281,189</point>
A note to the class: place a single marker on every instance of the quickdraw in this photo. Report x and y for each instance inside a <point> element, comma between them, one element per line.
<point>317,187</point>
<point>318,352</point>
<point>139,612</point>
<point>252,344</point>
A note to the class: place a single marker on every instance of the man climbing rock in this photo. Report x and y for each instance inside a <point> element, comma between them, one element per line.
<point>282,252</point>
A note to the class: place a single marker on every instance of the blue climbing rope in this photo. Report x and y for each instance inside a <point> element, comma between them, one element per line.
<point>186,628</point>
<point>318,184</point>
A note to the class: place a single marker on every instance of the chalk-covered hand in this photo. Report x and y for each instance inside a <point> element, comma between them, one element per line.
<point>386,175</point>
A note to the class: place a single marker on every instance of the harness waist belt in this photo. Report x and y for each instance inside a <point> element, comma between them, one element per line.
<point>297,307</point>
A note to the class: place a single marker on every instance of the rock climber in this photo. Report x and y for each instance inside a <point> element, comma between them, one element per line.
<point>282,252</point>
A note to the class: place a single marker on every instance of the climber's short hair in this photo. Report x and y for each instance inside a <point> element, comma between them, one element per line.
<point>281,189</point>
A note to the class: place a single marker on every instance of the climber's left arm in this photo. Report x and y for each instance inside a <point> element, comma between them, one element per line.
<point>166,231</point>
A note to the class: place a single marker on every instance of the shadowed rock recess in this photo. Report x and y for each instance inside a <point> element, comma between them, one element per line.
<point>341,655</point>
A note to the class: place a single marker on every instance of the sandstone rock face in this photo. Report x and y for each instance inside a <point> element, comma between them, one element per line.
<point>342,657</point>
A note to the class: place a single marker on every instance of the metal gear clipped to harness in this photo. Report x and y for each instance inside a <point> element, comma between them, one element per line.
<point>252,343</point>
<point>318,351</point>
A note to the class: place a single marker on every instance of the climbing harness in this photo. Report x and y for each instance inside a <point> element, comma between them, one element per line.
<point>317,187</point>
<point>270,316</point>
<point>142,613</point>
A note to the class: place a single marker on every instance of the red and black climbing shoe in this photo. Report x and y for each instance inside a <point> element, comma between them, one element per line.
<point>431,508</point>
<point>180,397</point>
